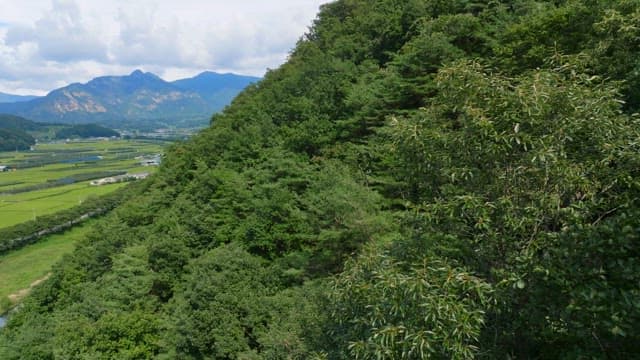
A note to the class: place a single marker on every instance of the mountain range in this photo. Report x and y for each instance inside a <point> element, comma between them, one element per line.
<point>140,100</point>
<point>11,98</point>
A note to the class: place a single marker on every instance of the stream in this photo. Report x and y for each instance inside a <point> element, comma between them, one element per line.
<point>2,321</point>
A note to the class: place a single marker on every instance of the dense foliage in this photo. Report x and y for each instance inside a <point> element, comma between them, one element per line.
<point>21,131</point>
<point>13,140</point>
<point>421,179</point>
<point>13,133</point>
<point>17,123</point>
<point>85,131</point>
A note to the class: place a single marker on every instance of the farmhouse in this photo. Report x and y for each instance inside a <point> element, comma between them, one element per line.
<point>4,168</point>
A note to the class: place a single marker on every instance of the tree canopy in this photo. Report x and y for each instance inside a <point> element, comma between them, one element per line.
<point>14,139</point>
<point>421,179</point>
<point>85,131</point>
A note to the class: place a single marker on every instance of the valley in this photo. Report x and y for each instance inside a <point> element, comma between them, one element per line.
<point>64,169</point>
<point>57,176</point>
<point>51,178</point>
<point>420,179</point>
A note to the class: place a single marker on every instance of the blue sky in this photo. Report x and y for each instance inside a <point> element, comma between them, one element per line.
<point>46,44</point>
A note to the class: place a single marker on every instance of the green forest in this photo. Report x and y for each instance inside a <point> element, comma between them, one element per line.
<point>422,179</point>
<point>14,140</point>
<point>18,133</point>
<point>13,133</point>
<point>85,131</point>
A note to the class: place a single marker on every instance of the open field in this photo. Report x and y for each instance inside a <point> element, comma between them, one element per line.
<point>49,179</point>
<point>45,180</point>
<point>21,268</point>
<point>18,208</point>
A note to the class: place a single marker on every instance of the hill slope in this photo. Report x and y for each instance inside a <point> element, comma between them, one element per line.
<point>10,98</point>
<point>16,122</point>
<point>11,139</point>
<point>216,89</point>
<point>14,133</point>
<point>139,100</point>
<point>422,179</point>
<point>30,130</point>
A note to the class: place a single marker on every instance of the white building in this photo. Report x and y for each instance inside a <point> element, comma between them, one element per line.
<point>119,178</point>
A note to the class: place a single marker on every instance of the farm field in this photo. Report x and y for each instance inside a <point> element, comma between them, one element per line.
<point>18,208</point>
<point>21,268</point>
<point>55,177</point>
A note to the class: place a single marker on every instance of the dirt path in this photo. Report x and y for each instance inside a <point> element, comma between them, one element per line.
<point>21,294</point>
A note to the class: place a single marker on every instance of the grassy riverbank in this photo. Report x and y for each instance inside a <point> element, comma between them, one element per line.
<point>21,268</point>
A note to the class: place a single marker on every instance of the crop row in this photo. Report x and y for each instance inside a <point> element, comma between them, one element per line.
<point>17,236</point>
<point>63,181</point>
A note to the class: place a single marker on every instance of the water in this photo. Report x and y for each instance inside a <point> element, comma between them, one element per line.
<point>2,321</point>
<point>82,159</point>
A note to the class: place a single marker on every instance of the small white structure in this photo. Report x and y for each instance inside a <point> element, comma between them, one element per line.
<point>119,178</point>
<point>4,168</point>
<point>151,161</point>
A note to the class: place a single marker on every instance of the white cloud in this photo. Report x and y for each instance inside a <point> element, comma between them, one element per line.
<point>63,35</point>
<point>49,43</point>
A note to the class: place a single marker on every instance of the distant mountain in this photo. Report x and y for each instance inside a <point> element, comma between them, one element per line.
<point>10,98</point>
<point>216,89</point>
<point>17,123</point>
<point>139,100</point>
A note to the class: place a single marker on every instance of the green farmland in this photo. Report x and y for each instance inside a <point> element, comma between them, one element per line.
<point>23,267</point>
<point>55,177</point>
<point>49,179</point>
<point>18,208</point>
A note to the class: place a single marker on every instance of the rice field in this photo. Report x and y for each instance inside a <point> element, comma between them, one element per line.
<point>47,174</point>
<point>18,208</point>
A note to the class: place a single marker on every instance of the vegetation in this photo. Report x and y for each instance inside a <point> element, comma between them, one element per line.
<point>422,179</point>
<point>85,131</point>
<point>62,181</point>
<point>21,268</point>
<point>13,133</point>
<point>16,128</point>
<point>11,139</point>
<point>57,219</point>
<point>17,123</point>
<point>54,178</point>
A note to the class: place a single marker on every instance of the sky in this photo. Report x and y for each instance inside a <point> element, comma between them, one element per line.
<point>47,44</point>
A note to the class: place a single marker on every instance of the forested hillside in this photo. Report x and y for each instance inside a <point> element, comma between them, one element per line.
<point>13,139</point>
<point>422,179</point>
<point>13,133</point>
<point>85,131</point>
